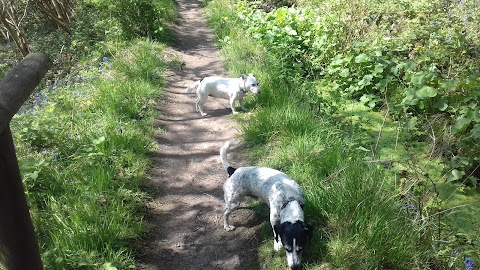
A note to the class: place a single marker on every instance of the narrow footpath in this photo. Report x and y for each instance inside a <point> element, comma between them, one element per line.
<point>186,214</point>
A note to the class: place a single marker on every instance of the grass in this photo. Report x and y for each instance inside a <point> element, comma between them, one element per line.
<point>82,145</point>
<point>362,217</point>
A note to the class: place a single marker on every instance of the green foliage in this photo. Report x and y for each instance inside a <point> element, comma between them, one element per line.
<point>298,36</point>
<point>82,145</point>
<point>413,68</point>
<point>142,17</point>
<point>383,167</point>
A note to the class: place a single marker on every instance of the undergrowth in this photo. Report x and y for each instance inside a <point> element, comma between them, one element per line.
<point>366,116</point>
<point>82,146</point>
<point>83,138</point>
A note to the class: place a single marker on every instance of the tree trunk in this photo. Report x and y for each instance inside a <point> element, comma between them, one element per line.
<point>59,12</point>
<point>9,19</point>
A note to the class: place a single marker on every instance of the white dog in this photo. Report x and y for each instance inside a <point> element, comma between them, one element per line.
<point>232,89</point>
<point>282,194</point>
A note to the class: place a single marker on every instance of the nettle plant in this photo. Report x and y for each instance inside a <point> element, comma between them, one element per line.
<point>298,36</point>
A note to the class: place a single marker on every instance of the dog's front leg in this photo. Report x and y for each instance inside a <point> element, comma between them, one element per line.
<point>232,104</point>
<point>275,222</point>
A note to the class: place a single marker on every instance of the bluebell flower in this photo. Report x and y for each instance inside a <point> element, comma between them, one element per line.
<point>468,264</point>
<point>105,59</point>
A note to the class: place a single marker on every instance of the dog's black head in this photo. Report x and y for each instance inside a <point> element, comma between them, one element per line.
<point>294,237</point>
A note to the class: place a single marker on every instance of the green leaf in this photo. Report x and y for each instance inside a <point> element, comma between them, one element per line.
<point>337,61</point>
<point>365,99</point>
<point>411,123</point>
<point>345,72</point>
<point>366,80</point>
<point>378,68</point>
<point>475,133</point>
<point>108,266</point>
<point>382,84</point>
<point>441,104</point>
<point>99,140</point>
<point>457,174</point>
<point>361,58</point>
<point>461,124</point>
<point>361,148</point>
<point>426,91</point>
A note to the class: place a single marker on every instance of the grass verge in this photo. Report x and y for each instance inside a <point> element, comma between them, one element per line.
<point>362,219</point>
<point>82,145</point>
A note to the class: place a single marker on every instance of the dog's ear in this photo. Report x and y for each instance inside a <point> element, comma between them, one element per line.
<point>230,170</point>
<point>243,76</point>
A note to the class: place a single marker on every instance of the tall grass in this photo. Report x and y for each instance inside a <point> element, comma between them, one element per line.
<point>82,145</point>
<point>361,220</point>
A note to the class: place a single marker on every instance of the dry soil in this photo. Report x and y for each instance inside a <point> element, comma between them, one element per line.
<point>186,213</point>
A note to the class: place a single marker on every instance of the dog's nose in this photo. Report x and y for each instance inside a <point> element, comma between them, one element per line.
<point>295,267</point>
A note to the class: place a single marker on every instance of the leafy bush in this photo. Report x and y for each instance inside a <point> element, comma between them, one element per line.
<point>415,67</point>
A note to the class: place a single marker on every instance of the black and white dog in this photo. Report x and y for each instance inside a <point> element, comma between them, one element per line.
<point>282,194</point>
<point>232,89</point>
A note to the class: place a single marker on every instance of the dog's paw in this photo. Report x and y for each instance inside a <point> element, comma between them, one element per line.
<point>277,245</point>
<point>203,114</point>
<point>229,228</point>
<point>235,112</point>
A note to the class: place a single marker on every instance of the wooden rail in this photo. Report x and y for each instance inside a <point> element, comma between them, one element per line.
<point>18,244</point>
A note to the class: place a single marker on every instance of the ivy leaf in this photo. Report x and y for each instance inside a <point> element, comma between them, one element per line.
<point>426,91</point>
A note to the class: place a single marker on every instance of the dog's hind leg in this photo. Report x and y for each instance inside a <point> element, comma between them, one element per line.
<point>199,103</point>
<point>229,208</point>
<point>232,202</point>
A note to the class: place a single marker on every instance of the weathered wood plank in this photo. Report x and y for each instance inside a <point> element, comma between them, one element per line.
<point>19,83</point>
<point>17,237</point>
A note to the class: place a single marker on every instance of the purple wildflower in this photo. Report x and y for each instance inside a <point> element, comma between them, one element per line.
<point>468,264</point>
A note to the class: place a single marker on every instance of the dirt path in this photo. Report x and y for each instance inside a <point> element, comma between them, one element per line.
<point>186,217</point>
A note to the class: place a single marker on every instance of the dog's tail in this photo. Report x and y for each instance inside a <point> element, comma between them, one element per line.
<point>223,156</point>
<point>194,86</point>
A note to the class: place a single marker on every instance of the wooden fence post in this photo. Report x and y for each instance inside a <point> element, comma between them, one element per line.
<point>18,244</point>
